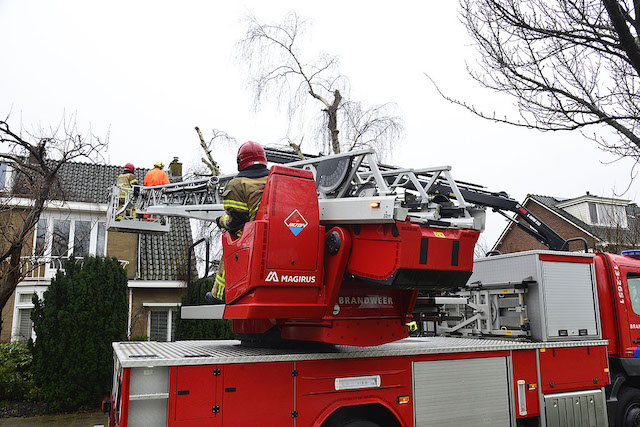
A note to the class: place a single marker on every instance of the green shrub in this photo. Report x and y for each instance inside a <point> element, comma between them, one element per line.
<point>16,378</point>
<point>84,310</point>
<point>200,329</point>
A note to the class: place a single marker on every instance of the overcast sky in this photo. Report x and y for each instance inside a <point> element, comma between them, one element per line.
<point>147,72</point>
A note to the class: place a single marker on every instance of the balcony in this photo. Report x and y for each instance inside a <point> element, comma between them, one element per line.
<point>41,269</point>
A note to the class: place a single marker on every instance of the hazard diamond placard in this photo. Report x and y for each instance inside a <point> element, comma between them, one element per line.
<point>296,222</point>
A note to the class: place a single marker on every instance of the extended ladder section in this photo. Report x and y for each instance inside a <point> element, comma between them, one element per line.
<point>351,187</point>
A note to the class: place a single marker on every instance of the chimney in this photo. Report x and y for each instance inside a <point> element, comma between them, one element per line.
<point>175,167</point>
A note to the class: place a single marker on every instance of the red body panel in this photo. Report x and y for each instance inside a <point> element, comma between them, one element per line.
<point>524,368</point>
<point>193,392</point>
<point>304,392</point>
<point>259,394</point>
<point>316,391</point>
<point>573,368</point>
<point>620,323</point>
<point>377,253</point>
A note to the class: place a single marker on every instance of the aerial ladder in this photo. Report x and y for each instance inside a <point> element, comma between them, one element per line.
<point>339,251</point>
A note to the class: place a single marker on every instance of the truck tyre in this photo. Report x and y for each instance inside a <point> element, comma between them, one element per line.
<point>628,408</point>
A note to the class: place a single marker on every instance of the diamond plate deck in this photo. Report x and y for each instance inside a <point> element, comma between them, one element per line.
<point>181,353</point>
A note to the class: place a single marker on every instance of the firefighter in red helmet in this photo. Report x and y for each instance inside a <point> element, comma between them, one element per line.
<point>241,199</point>
<point>126,179</point>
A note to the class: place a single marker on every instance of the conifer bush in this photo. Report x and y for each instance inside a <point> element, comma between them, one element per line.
<point>83,311</point>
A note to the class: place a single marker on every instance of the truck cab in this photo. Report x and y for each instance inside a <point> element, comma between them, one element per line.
<point>618,279</point>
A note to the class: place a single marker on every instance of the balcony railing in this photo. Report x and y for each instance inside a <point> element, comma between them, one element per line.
<point>45,268</point>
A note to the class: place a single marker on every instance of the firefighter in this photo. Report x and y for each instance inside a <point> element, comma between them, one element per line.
<point>156,176</point>
<point>127,179</point>
<point>241,199</point>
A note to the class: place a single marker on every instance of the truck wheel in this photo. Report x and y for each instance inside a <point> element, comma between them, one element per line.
<point>628,408</point>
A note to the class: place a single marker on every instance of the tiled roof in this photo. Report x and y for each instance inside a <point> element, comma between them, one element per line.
<point>551,202</point>
<point>88,182</point>
<point>604,233</point>
<point>164,257</point>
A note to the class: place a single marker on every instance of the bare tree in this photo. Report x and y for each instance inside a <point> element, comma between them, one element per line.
<point>570,64</point>
<point>278,67</point>
<point>33,162</point>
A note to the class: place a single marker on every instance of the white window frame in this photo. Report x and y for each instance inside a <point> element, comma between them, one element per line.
<point>8,178</point>
<point>73,217</point>
<point>17,306</point>
<point>171,307</point>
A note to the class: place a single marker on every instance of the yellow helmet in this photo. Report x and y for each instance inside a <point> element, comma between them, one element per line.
<point>158,164</point>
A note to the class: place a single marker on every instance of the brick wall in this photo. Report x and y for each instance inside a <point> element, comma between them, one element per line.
<point>517,240</point>
<point>124,246</point>
<point>140,314</point>
<point>11,220</point>
<point>7,319</point>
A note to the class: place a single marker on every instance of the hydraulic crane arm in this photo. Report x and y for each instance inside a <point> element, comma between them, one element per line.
<point>501,202</point>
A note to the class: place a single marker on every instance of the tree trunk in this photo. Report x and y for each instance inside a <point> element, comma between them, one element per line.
<point>332,112</point>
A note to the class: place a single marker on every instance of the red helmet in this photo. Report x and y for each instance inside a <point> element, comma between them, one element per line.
<point>251,153</point>
<point>129,167</point>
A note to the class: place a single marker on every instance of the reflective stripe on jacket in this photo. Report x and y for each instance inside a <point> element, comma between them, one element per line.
<point>241,198</point>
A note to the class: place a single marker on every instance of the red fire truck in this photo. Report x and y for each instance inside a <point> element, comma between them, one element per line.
<point>527,339</point>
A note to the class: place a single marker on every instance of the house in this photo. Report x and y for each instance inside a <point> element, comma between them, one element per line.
<point>155,264</point>
<point>608,224</point>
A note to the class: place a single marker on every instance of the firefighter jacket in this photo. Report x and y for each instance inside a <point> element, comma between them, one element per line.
<point>126,180</point>
<point>155,176</point>
<point>241,198</point>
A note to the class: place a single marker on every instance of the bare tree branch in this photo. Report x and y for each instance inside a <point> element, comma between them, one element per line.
<point>35,162</point>
<point>569,64</point>
<point>278,68</point>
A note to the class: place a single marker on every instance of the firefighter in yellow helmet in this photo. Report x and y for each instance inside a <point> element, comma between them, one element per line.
<point>241,199</point>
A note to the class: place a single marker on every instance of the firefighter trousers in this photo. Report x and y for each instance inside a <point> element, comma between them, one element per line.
<point>218,287</point>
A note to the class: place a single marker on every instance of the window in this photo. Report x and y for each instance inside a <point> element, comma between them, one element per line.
<point>593,213</point>
<point>101,249</point>
<point>26,298</point>
<point>22,326</point>
<point>3,176</point>
<point>41,235</point>
<point>60,243</point>
<point>25,325</point>
<point>162,325</point>
<point>608,215</point>
<point>633,282</point>
<point>81,238</point>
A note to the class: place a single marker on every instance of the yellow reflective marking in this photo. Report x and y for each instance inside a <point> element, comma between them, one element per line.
<point>439,234</point>
<point>508,332</point>
<point>505,291</point>
<point>542,350</point>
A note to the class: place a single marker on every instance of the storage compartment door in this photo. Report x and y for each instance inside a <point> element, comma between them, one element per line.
<point>468,392</point>
<point>569,300</point>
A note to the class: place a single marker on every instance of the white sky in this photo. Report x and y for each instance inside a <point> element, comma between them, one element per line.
<point>147,72</point>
